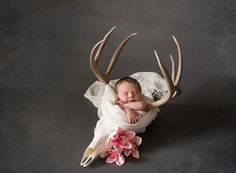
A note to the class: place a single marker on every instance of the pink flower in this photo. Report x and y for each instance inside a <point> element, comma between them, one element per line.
<point>122,139</point>
<point>114,155</point>
<point>135,142</point>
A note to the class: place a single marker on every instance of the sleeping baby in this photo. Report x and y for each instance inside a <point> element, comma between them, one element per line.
<point>129,95</point>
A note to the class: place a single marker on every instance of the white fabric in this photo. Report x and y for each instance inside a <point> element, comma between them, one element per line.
<point>111,116</point>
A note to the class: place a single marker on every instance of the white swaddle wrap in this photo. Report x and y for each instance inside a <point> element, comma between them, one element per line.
<point>111,116</point>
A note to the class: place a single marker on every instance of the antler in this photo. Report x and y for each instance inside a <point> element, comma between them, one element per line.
<point>96,52</point>
<point>173,80</point>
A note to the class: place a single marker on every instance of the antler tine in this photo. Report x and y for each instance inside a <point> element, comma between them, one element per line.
<point>169,82</point>
<point>93,64</point>
<point>117,53</point>
<point>103,44</point>
<point>173,68</point>
<point>180,63</point>
<point>95,55</point>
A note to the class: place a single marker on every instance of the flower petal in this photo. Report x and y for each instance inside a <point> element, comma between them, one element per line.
<point>115,143</point>
<point>119,130</point>
<point>127,152</point>
<point>138,140</point>
<point>118,148</point>
<point>126,145</point>
<point>112,158</point>
<point>130,134</point>
<point>107,152</point>
<point>121,160</point>
<point>135,154</point>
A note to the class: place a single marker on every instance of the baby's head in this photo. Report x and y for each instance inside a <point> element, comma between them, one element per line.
<point>128,89</point>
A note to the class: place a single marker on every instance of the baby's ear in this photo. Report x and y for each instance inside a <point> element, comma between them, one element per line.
<point>114,93</point>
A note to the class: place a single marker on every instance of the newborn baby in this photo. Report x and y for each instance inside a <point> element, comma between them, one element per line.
<point>129,95</point>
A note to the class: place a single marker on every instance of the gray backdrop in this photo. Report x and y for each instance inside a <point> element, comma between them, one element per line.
<point>46,123</point>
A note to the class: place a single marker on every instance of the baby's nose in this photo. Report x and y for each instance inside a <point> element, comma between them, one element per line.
<point>130,94</point>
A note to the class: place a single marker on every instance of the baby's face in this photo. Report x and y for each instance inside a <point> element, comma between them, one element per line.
<point>128,92</point>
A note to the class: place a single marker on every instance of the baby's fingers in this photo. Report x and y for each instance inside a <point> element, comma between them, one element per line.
<point>134,120</point>
<point>130,120</point>
<point>137,119</point>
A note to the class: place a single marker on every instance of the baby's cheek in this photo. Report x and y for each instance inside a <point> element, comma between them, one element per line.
<point>124,99</point>
<point>139,97</point>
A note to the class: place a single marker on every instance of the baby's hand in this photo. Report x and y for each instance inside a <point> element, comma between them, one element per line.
<point>120,103</point>
<point>133,116</point>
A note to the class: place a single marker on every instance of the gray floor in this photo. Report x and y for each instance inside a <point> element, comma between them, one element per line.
<point>46,123</point>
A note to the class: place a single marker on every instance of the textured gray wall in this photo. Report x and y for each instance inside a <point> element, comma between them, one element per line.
<point>46,123</point>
